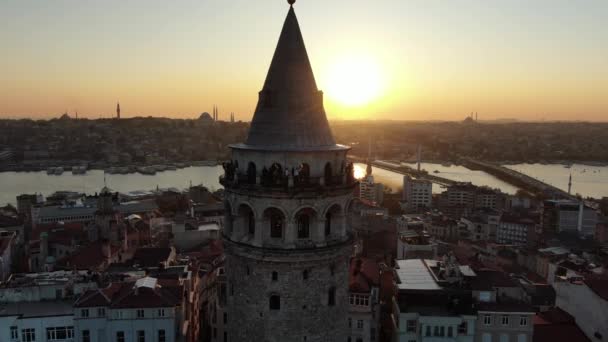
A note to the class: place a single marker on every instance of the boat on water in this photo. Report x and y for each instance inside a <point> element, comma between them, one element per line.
<point>446,164</point>
<point>122,170</point>
<point>79,170</point>
<point>50,171</point>
<point>58,171</point>
<point>146,170</point>
<point>436,171</point>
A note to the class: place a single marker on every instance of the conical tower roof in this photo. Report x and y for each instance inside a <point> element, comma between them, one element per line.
<point>290,113</point>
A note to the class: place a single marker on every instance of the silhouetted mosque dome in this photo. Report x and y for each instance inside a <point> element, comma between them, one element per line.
<point>65,116</point>
<point>205,116</point>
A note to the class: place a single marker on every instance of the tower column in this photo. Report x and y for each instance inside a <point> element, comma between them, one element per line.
<point>319,234</point>
<point>290,232</point>
<point>258,237</point>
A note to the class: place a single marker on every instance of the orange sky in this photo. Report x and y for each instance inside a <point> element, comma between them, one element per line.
<point>437,61</point>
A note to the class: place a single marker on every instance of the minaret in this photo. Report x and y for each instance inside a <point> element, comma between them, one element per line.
<point>570,183</point>
<point>118,110</point>
<point>288,192</point>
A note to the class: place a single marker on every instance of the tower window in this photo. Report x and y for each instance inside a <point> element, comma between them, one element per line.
<point>275,302</point>
<point>251,223</point>
<point>327,224</point>
<point>275,276</point>
<point>303,226</point>
<point>305,274</point>
<point>276,223</point>
<point>331,296</point>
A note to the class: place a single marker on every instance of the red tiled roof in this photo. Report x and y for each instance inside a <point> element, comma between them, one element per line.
<point>598,284</point>
<point>151,256</point>
<point>364,273</point>
<point>556,325</point>
<point>127,295</point>
<point>89,257</point>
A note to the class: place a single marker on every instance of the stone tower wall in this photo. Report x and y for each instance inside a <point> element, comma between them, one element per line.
<point>304,314</point>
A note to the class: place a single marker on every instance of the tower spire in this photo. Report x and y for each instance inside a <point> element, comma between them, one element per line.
<point>117,110</point>
<point>570,183</point>
<point>290,114</point>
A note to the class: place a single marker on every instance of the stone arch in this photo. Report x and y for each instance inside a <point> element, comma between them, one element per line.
<point>276,221</point>
<point>334,220</point>
<point>251,173</point>
<point>247,219</point>
<point>349,212</point>
<point>305,219</point>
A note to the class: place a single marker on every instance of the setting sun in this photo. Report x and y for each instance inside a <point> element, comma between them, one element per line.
<point>353,80</point>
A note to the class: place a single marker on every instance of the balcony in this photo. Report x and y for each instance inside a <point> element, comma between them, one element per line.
<point>287,186</point>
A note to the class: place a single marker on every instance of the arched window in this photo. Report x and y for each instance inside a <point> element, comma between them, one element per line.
<point>328,174</point>
<point>275,276</point>
<point>303,226</point>
<point>251,173</point>
<point>275,302</point>
<point>331,296</point>
<point>328,224</point>
<point>246,219</point>
<point>251,223</point>
<point>275,218</point>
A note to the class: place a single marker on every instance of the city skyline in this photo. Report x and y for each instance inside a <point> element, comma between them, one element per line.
<point>539,61</point>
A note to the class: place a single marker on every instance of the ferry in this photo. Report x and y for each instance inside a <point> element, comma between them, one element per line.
<point>58,171</point>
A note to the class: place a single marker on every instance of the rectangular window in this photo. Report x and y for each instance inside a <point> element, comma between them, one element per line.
<point>86,336</point>
<point>411,325</point>
<point>14,333</point>
<point>84,313</point>
<point>101,312</point>
<point>141,336</point>
<point>161,312</point>
<point>28,335</point>
<point>487,319</point>
<point>350,322</point>
<point>505,320</point>
<point>523,321</point>
<point>161,335</point>
<point>59,333</point>
<point>120,336</point>
<point>462,328</point>
<point>360,324</point>
<point>140,313</point>
<point>225,318</point>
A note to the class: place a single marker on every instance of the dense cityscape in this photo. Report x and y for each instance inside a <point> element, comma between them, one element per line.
<point>104,143</point>
<point>297,245</point>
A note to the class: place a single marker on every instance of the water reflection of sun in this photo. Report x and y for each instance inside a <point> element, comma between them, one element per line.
<point>359,171</point>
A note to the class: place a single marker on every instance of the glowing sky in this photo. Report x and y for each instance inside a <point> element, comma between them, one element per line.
<point>437,59</point>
